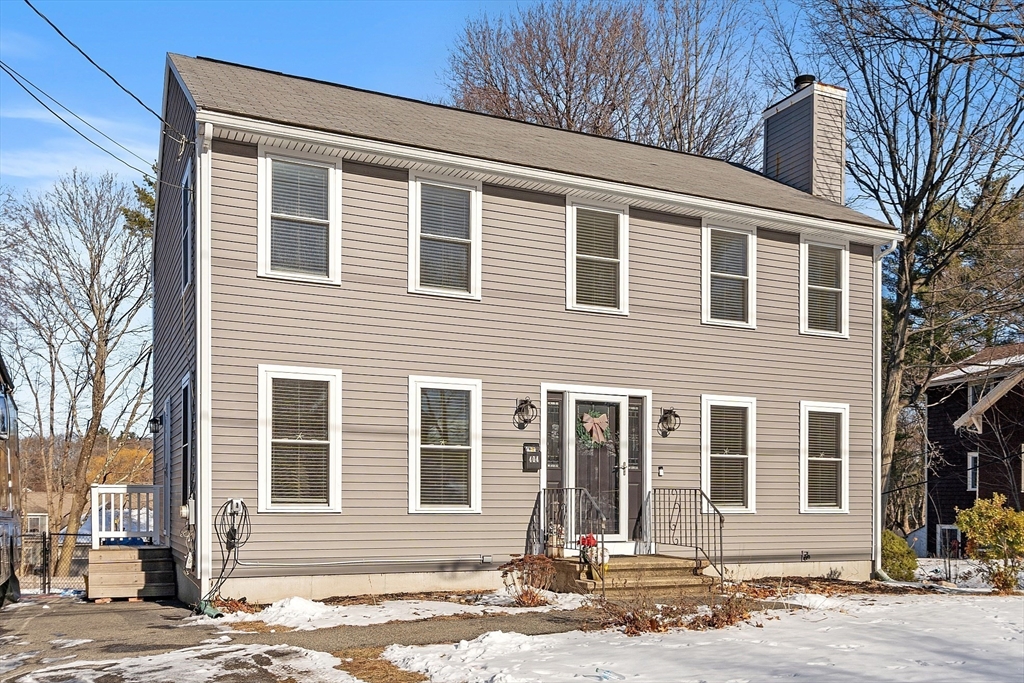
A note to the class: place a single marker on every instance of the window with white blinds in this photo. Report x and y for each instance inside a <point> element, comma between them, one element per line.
<point>597,266</point>
<point>300,234</point>
<point>728,279</point>
<point>973,459</point>
<point>824,292</point>
<point>824,454</point>
<point>444,223</point>
<point>444,444</point>
<point>728,452</point>
<point>300,415</point>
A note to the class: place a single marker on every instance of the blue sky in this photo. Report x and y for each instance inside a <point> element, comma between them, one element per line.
<point>394,47</point>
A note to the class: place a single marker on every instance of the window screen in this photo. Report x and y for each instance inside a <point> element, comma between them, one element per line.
<point>824,459</point>
<point>824,288</point>
<point>728,455</point>
<point>445,447</point>
<point>729,278</point>
<point>597,258</point>
<point>300,441</point>
<point>972,471</point>
<point>445,237</point>
<point>299,218</point>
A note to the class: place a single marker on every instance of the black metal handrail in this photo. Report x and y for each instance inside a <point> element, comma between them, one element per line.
<point>683,517</point>
<point>570,515</point>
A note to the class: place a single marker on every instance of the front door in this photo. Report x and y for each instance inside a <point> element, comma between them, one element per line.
<point>599,456</point>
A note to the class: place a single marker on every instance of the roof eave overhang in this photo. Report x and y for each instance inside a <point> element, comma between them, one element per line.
<point>227,125</point>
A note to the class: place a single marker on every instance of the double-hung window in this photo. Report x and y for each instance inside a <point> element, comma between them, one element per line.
<point>728,276</point>
<point>188,467</point>
<point>444,237</point>
<point>299,219</point>
<point>973,460</point>
<point>824,292</point>
<point>727,451</point>
<point>299,447</point>
<point>824,456</point>
<point>444,445</point>
<point>187,225</point>
<point>597,268</point>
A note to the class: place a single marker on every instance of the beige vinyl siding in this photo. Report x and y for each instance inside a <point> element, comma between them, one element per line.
<point>517,337</point>
<point>829,147</point>
<point>174,319</point>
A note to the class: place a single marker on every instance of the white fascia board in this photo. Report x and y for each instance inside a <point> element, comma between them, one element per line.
<point>972,418</point>
<point>991,370</point>
<point>768,218</point>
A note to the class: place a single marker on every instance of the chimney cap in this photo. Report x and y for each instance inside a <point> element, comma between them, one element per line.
<point>803,80</point>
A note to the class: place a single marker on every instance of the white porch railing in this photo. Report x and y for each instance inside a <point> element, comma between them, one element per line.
<point>126,511</point>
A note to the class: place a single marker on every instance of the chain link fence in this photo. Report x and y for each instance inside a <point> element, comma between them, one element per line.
<point>41,569</point>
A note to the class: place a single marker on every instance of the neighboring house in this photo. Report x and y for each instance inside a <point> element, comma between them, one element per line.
<point>354,292</point>
<point>975,438</point>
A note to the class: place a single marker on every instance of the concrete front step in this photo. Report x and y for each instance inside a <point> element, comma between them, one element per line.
<point>654,575</point>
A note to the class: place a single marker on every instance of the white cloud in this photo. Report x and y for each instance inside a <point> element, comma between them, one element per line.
<point>20,46</point>
<point>38,166</point>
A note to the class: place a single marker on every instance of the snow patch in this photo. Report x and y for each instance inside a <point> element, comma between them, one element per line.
<point>203,665</point>
<point>64,643</point>
<point>912,638</point>
<point>964,573</point>
<point>301,614</point>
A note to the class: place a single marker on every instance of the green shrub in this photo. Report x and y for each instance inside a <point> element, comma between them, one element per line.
<point>898,560</point>
<point>995,538</point>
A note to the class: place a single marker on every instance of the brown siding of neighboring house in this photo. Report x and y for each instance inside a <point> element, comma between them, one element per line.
<point>517,337</point>
<point>174,318</point>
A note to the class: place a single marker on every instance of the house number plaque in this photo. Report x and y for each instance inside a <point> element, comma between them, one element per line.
<point>531,457</point>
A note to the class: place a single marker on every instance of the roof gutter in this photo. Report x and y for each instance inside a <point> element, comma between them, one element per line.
<point>713,208</point>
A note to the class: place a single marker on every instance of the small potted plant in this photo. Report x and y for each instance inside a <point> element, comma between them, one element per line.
<point>588,549</point>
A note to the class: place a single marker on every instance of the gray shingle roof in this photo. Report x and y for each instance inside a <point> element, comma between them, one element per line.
<point>271,96</point>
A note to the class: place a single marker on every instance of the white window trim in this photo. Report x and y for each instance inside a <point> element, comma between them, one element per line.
<point>475,387</point>
<point>844,320</point>
<point>705,275</point>
<point>973,460</point>
<point>750,403</point>
<point>475,234</point>
<point>570,255</point>
<point>334,211</point>
<point>266,374</point>
<point>188,230</point>
<point>185,389</point>
<point>842,409</point>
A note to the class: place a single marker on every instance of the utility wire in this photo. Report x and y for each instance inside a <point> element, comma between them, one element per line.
<point>11,70</point>
<point>24,87</point>
<point>181,138</point>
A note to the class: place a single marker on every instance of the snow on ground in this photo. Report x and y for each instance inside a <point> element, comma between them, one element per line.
<point>307,615</point>
<point>64,643</point>
<point>864,637</point>
<point>964,573</point>
<point>203,664</point>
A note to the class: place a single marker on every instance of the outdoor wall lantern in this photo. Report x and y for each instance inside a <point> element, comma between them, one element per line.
<point>526,412</point>
<point>155,423</point>
<point>669,421</point>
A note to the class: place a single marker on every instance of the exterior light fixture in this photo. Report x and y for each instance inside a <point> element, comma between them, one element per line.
<point>155,423</point>
<point>669,421</point>
<point>526,412</point>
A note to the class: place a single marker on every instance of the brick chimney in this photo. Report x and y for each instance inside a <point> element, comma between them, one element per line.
<point>805,139</point>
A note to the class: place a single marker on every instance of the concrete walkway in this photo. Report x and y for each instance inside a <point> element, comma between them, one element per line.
<point>36,633</point>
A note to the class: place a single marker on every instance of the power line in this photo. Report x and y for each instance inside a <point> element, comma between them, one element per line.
<point>14,78</point>
<point>54,100</point>
<point>182,139</point>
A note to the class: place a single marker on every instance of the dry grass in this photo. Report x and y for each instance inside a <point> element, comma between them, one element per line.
<point>729,612</point>
<point>228,605</point>
<point>366,664</point>
<point>463,597</point>
<point>258,627</point>
<point>773,587</point>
